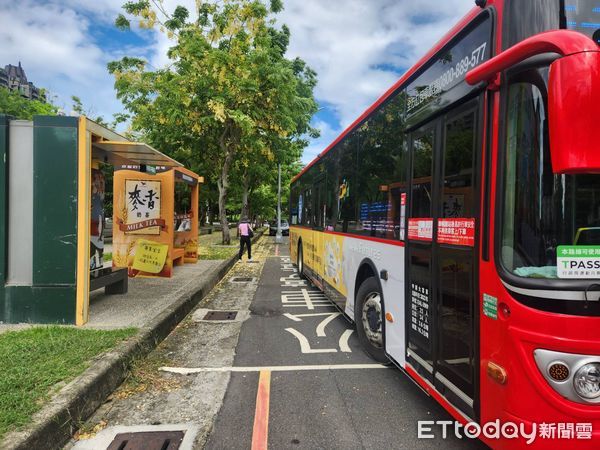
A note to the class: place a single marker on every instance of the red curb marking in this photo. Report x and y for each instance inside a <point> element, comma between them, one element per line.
<point>260,432</point>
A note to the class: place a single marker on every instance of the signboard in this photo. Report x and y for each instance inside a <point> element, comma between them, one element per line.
<point>150,256</point>
<point>419,310</point>
<point>453,205</point>
<point>142,207</point>
<point>443,80</point>
<point>420,229</point>
<point>402,215</point>
<point>457,231</point>
<point>374,216</point>
<point>97,220</point>
<point>578,261</point>
<point>490,306</point>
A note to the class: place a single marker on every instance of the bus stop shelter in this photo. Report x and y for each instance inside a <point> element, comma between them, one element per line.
<point>51,213</point>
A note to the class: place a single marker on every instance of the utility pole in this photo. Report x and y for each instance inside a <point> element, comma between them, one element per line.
<point>278,237</point>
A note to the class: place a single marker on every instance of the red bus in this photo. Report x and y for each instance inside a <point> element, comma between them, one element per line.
<point>457,222</point>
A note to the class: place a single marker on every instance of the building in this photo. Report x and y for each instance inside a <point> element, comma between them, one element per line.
<point>15,79</point>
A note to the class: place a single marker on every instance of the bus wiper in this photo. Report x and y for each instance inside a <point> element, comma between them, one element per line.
<point>587,289</point>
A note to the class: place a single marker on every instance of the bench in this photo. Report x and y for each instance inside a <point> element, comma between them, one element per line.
<point>114,279</point>
<point>178,256</point>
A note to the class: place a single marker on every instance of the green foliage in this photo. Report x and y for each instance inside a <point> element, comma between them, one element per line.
<point>122,23</point>
<point>12,104</point>
<point>230,105</point>
<point>33,361</point>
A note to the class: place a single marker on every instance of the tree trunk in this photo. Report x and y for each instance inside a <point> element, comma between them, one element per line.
<point>245,192</point>
<point>223,213</point>
<point>223,185</point>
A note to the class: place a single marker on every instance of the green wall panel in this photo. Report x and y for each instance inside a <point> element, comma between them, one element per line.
<point>55,201</point>
<point>39,304</point>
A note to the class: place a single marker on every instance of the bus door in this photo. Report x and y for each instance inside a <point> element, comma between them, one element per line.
<point>441,258</point>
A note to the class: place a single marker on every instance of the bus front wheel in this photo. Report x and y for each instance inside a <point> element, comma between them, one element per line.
<point>368,315</point>
<point>301,263</point>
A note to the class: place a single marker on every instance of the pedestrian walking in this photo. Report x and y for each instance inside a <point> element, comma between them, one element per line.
<point>246,233</point>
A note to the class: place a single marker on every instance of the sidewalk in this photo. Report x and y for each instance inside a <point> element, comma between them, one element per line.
<point>156,307</point>
<point>147,297</point>
<point>155,400</point>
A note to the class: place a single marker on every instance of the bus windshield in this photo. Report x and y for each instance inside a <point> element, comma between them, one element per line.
<point>583,16</point>
<point>542,210</point>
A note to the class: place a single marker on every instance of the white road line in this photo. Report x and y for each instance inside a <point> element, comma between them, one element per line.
<point>305,346</point>
<point>307,298</point>
<point>324,322</point>
<point>343,343</point>
<point>191,370</point>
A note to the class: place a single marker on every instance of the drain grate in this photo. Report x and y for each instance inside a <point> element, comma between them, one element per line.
<point>220,315</point>
<point>242,279</point>
<point>148,440</point>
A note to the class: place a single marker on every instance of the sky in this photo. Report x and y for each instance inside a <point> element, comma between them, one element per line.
<point>358,48</point>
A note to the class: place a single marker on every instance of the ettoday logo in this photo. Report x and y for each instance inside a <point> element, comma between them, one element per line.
<point>429,429</point>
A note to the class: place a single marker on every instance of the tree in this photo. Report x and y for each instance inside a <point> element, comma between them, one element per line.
<point>12,104</point>
<point>80,110</point>
<point>230,94</point>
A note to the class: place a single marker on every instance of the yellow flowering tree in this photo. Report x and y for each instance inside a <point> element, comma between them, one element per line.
<point>230,96</point>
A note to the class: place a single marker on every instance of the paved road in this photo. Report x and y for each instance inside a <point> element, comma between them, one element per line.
<point>291,325</point>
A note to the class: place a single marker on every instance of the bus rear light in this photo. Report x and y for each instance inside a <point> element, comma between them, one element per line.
<point>575,377</point>
<point>559,371</point>
<point>389,317</point>
<point>496,373</point>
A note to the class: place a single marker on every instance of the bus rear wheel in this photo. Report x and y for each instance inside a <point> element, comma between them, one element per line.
<point>301,263</point>
<point>368,315</point>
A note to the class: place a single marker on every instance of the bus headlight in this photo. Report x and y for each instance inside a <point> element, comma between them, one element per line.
<point>574,376</point>
<point>587,381</point>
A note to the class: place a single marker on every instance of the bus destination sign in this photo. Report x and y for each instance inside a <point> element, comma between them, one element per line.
<point>443,81</point>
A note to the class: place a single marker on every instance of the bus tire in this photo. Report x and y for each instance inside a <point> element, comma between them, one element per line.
<point>369,319</point>
<point>301,263</point>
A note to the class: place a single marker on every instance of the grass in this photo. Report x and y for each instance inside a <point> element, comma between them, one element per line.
<point>211,248</point>
<point>36,362</point>
<point>215,252</point>
<point>145,376</point>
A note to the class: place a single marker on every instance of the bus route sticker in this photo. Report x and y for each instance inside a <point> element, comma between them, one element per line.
<point>456,231</point>
<point>490,306</point>
<point>578,261</point>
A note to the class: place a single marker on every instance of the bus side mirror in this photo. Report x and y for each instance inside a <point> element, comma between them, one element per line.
<point>574,113</point>
<point>573,91</point>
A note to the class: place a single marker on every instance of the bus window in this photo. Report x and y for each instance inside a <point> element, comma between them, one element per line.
<point>381,174</point>
<point>542,210</point>
<point>458,187</point>
<point>294,206</point>
<point>421,184</point>
<point>341,177</point>
<point>307,204</point>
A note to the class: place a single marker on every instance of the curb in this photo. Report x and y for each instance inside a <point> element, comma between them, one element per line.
<point>56,422</point>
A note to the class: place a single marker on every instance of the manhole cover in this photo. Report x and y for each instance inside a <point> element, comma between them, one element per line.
<point>148,440</point>
<point>242,279</point>
<point>220,315</point>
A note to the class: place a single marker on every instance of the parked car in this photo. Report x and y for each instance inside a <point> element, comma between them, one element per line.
<point>285,228</point>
